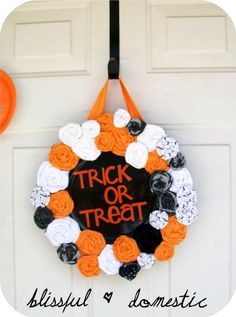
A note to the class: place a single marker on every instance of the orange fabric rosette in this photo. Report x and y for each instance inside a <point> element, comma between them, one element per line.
<point>122,139</point>
<point>88,265</point>
<point>165,251</point>
<point>120,136</point>
<point>61,204</point>
<point>106,122</point>
<point>91,242</point>
<point>105,141</point>
<point>125,249</point>
<point>174,232</point>
<point>61,156</point>
<point>155,163</point>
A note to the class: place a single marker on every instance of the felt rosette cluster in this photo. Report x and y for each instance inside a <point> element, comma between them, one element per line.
<point>143,146</point>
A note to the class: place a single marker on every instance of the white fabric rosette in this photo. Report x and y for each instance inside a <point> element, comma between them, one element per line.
<point>167,147</point>
<point>70,133</point>
<point>158,219</point>
<point>108,262</point>
<point>187,216</point>
<point>86,149</point>
<point>90,129</point>
<point>63,230</point>
<point>145,260</point>
<point>136,155</point>
<point>51,178</point>
<point>40,197</point>
<point>181,177</point>
<point>121,118</point>
<point>186,197</point>
<point>150,136</point>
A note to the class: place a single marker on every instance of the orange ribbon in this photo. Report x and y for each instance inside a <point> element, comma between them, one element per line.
<point>98,108</point>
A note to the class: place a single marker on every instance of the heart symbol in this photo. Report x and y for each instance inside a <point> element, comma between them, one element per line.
<point>107,296</point>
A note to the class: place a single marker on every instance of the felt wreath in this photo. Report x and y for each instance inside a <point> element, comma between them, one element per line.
<point>114,195</point>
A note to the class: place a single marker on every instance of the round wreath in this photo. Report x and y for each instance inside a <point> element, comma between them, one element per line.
<point>144,146</point>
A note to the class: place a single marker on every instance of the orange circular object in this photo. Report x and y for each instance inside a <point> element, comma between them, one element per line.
<point>7,100</point>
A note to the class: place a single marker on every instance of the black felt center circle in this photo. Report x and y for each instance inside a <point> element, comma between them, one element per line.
<point>110,196</point>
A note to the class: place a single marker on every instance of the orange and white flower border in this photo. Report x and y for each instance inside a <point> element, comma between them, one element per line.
<point>151,149</point>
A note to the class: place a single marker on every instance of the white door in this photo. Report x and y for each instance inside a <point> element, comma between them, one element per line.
<point>178,60</point>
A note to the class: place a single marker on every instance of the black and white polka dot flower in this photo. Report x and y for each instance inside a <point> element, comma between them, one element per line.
<point>186,197</point>
<point>146,260</point>
<point>129,270</point>
<point>40,197</point>
<point>187,216</point>
<point>167,147</point>
<point>158,219</point>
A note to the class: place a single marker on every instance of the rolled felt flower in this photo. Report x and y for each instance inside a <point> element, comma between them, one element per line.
<point>147,238</point>
<point>70,133</point>
<point>160,182</point>
<point>108,262</point>
<point>150,136</point>
<point>68,253</point>
<point>86,149</point>
<point>106,122</point>
<point>63,230</point>
<point>181,177</point>
<point>61,156</point>
<point>43,217</point>
<point>122,139</point>
<point>51,178</point>
<point>186,197</point>
<point>167,202</point>
<point>158,219</point>
<point>167,147</point>
<point>136,126</point>
<point>136,155</point>
<point>155,163</point>
<point>187,216</point>
<point>105,141</point>
<point>174,232</point>
<point>178,161</point>
<point>121,118</point>
<point>129,270</point>
<point>125,249</point>
<point>165,251</point>
<point>145,260</point>
<point>61,204</point>
<point>90,129</point>
<point>40,197</point>
<point>91,242</point>
<point>88,265</point>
